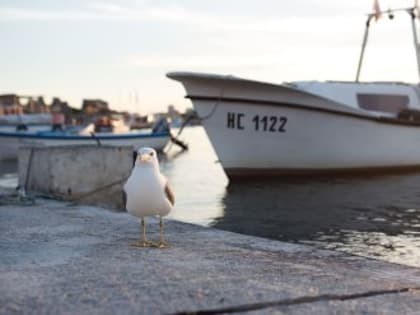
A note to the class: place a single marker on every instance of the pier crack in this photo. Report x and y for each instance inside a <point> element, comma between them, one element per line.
<point>298,301</point>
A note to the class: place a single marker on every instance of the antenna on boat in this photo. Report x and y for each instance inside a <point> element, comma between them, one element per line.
<point>362,53</point>
<point>415,37</point>
<point>412,12</point>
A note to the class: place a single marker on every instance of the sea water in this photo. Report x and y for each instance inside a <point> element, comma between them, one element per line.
<point>373,216</point>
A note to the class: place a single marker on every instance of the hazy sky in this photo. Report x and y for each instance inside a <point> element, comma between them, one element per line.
<point>120,50</point>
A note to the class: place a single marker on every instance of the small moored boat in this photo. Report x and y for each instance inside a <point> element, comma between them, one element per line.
<point>10,141</point>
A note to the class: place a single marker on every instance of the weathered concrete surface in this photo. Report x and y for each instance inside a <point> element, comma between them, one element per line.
<point>90,174</point>
<point>60,258</point>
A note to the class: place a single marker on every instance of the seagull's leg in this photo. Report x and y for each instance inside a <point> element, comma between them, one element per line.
<point>162,243</point>
<point>143,229</point>
<point>143,242</point>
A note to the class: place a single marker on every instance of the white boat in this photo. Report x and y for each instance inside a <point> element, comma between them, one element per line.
<point>10,141</point>
<point>28,122</point>
<point>28,119</point>
<point>26,127</point>
<point>264,129</point>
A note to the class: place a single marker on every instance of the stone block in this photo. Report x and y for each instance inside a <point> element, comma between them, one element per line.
<point>84,174</point>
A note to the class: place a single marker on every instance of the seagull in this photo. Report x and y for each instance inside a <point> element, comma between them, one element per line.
<point>148,193</point>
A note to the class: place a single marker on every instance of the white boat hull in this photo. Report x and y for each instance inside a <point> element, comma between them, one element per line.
<point>9,143</point>
<point>258,130</point>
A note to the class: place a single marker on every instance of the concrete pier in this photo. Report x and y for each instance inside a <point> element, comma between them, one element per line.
<point>87,174</point>
<point>62,258</point>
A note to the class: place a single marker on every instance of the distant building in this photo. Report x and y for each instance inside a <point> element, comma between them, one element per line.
<point>59,106</point>
<point>94,107</point>
<point>173,114</point>
<point>10,105</point>
<point>37,106</point>
<point>71,115</point>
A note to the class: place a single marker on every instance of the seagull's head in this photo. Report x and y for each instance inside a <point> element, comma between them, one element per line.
<point>147,157</point>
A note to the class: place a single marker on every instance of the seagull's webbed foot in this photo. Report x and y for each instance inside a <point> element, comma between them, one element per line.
<point>163,244</point>
<point>143,242</point>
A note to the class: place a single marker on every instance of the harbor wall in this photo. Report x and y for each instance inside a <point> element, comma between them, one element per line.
<point>85,174</point>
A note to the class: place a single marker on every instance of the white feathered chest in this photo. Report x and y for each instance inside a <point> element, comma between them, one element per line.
<point>145,190</point>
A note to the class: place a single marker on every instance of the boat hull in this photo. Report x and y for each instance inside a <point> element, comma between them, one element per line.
<point>273,141</point>
<point>254,135</point>
<point>10,142</point>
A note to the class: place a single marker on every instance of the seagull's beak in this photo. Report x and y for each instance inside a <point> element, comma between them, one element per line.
<point>145,157</point>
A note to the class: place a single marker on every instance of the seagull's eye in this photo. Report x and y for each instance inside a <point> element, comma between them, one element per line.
<point>151,153</point>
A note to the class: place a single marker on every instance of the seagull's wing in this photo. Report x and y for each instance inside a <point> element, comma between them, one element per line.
<point>169,194</point>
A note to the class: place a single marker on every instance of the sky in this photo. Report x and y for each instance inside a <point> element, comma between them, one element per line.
<point>121,50</point>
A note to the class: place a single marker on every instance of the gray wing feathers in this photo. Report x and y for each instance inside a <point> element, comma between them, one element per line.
<point>169,194</point>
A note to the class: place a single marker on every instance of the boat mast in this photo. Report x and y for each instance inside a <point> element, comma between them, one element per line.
<point>415,37</point>
<point>362,53</point>
<point>411,12</point>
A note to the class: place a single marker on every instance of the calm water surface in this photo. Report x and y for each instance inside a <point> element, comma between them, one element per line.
<point>374,216</point>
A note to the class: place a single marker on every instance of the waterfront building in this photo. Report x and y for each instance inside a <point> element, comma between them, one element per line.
<point>10,105</point>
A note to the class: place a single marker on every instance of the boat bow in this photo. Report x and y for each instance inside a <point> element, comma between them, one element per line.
<point>228,88</point>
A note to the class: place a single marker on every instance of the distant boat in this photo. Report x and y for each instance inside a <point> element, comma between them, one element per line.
<point>10,141</point>
<point>29,119</point>
<point>264,129</point>
<point>25,127</point>
<point>28,122</point>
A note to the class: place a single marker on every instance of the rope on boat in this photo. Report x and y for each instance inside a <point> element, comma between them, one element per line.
<point>89,193</point>
<point>175,139</point>
<point>98,141</point>
<point>178,142</point>
<point>28,169</point>
<point>21,197</point>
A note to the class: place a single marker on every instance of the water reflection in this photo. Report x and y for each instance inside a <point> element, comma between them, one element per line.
<point>198,181</point>
<point>375,216</point>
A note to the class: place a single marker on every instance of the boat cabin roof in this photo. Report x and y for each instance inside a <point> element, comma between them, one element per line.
<point>387,98</point>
